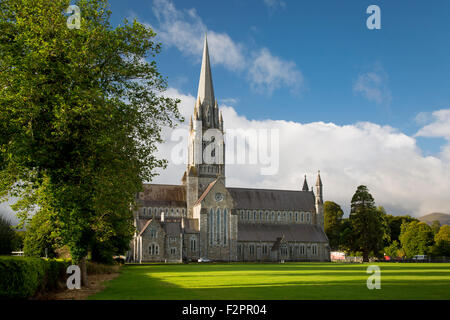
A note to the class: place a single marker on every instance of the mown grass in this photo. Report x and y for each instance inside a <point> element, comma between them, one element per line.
<point>278,282</point>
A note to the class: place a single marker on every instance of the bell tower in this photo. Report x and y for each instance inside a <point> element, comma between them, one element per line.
<point>206,150</point>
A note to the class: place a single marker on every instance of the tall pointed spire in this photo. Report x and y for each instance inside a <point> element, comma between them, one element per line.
<point>205,85</point>
<point>319,181</point>
<point>305,185</point>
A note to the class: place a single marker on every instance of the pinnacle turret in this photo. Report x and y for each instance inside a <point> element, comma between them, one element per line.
<point>305,185</point>
<point>319,181</point>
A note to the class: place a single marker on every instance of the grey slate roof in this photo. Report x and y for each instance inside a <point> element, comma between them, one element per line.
<point>163,195</point>
<point>205,193</point>
<point>143,225</point>
<point>172,228</point>
<point>246,198</point>
<point>290,232</point>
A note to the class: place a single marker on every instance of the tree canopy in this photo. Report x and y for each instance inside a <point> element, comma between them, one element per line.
<point>416,238</point>
<point>333,223</point>
<point>368,224</point>
<point>81,112</point>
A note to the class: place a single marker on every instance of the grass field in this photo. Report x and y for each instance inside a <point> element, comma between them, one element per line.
<point>278,281</point>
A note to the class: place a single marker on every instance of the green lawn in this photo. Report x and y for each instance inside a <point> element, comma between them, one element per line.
<point>278,281</point>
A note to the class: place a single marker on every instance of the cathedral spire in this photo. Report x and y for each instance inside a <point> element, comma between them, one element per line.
<point>305,185</point>
<point>205,85</point>
<point>319,181</point>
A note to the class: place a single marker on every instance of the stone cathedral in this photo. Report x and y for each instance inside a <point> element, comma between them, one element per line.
<point>204,219</point>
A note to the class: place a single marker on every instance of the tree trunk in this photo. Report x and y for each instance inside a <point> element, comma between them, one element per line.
<point>365,256</point>
<point>83,269</point>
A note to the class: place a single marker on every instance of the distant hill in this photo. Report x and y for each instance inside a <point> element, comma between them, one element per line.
<point>443,218</point>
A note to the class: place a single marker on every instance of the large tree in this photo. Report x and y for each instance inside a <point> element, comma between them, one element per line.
<point>416,238</point>
<point>333,223</point>
<point>395,223</point>
<point>368,225</point>
<point>442,241</point>
<point>81,112</point>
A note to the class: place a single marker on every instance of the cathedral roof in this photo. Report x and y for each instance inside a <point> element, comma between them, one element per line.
<point>205,193</point>
<point>144,224</point>
<point>163,195</point>
<point>265,199</point>
<point>290,232</point>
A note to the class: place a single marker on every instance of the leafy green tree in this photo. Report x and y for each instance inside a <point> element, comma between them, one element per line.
<point>81,113</point>
<point>395,223</point>
<point>416,238</point>
<point>333,222</point>
<point>435,226</point>
<point>369,228</point>
<point>18,241</point>
<point>346,236</point>
<point>7,236</point>
<point>41,237</point>
<point>442,240</point>
<point>393,249</point>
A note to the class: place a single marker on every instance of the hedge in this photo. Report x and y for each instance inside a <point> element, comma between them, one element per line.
<point>23,277</point>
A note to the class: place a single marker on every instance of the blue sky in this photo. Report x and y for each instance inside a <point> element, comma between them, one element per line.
<point>364,106</point>
<point>331,47</point>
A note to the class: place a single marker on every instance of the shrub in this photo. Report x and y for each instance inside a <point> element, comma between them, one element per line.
<point>22,277</point>
<point>7,236</point>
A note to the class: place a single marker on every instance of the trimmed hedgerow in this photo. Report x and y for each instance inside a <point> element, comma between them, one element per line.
<point>23,277</point>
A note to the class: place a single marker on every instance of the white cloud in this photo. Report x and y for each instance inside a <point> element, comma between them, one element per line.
<point>274,4</point>
<point>229,101</point>
<point>389,162</point>
<point>8,213</point>
<point>185,30</point>
<point>373,86</point>
<point>439,128</point>
<point>269,73</point>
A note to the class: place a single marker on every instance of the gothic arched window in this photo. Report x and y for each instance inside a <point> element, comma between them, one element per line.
<point>193,244</point>
<point>211,226</point>
<point>153,249</point>
<point>217,230</point>
<point>225,226</point>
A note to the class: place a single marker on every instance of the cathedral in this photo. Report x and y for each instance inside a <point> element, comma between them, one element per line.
<point>204,220</point>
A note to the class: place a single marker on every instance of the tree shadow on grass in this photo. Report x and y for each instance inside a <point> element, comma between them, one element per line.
<point>140,284</point>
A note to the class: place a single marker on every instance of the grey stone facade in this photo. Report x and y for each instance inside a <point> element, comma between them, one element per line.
<point>202,218</point>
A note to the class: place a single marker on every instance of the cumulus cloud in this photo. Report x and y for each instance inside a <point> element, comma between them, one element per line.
<point>269,73</point>
<point>275,4</point>
<point>185,30</point>
<point>372,85</point>
<point>438,128</point>
<point>386,160</point>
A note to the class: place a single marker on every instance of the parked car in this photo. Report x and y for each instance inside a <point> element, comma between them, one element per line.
<point>420,257</point>
<point>204,260</point>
